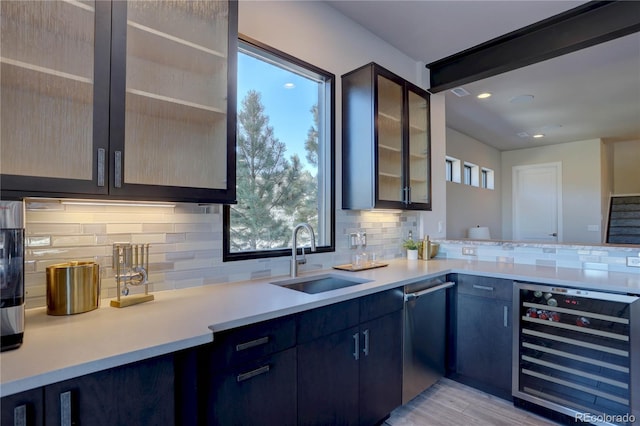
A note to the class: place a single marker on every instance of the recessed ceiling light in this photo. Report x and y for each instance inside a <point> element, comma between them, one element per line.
<point>521,99</point>
<point>289,85</point>
<point>538,135</point>
<point>484,95</point>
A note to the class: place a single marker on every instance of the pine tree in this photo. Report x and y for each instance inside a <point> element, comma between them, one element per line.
<point>273,192</point>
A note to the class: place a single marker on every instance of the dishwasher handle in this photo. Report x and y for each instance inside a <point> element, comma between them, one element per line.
<point>412,296</point>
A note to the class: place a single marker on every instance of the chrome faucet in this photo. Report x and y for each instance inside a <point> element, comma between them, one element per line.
<point>295,261</point>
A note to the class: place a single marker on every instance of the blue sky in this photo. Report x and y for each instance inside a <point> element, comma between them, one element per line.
<point>289,110</point>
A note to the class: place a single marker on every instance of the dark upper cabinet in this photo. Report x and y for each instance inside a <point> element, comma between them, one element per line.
<point>386,149</point>
<point>128,100</point>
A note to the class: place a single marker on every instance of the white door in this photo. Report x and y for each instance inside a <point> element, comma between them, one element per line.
<point>537,202</point>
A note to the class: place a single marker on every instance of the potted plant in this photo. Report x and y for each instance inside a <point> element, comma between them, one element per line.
<point>412,248</point>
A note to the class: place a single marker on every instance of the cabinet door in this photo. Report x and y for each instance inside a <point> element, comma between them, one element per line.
<point>54,96</point>
<point>328,379</point>
<point>25,408</point>
<point>380,367</point>
<point>173,103</point>
<point>139,393</point>
<point>484,337</point>
<point>390,149</point>
<point>419,156</point>
<point>86,400</point>
<point>260,392</point>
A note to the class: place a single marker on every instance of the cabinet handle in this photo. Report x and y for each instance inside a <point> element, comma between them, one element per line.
<point>482,287</point>
<point>505,317</point>
<point>20,415</point>
<point>101,158</point>
<point>253,373</point>
<point>409,195</point>
<point>65,408</point>
<point>251,344</point>
<point>118,170</point>
<point>366,342</point>
<point>356,346</point>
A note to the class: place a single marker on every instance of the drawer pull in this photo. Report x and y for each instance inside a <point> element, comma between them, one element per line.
<point>258,371</point>
<point>251,344</point>
<point>20,415</point>
<point>482,287</point>
<point>65,408</point>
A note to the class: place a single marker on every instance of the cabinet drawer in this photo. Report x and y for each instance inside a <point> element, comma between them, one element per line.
<point>380,304</point>
<point>494,288</point>
<point>24,408</point>
<point>327,320</point>
<point>262,391</point>
<point>252,341</point>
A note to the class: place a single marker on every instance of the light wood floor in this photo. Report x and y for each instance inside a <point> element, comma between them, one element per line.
<point>449,403</point>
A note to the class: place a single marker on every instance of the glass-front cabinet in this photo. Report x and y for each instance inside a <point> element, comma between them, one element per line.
<point>129,100</point>
<point>386,144</point>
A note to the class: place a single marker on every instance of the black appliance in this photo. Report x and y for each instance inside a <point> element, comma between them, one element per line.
<point>11,274</point>
<point>577,353</point>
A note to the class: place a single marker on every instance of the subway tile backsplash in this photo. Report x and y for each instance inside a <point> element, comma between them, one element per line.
<point>597,258</point>
<point>185,243</point>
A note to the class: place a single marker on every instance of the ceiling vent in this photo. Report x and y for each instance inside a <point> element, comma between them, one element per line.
<point>460,92</point>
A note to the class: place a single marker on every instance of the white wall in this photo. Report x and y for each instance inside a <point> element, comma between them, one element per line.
<point>626,173</point>
<point>467,205</point>
<point>318,34</point>
<point>581,186</point>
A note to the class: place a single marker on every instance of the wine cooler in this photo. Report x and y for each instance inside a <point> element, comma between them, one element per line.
<point>576,352</point>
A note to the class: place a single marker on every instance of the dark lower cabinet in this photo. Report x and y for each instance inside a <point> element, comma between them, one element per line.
<point>141,393</point>
<point>247,376</point>
<point>260,392</point>
<point>352,376</point>
<point>328,379</point>
<point>24,408</point>
<point>134,394</point>
<point>484,334</point>
<point>381,368</point>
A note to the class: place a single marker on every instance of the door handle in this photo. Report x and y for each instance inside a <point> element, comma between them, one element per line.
<point>65,409</point>
<point>553,234</point>
<point>118,170</point>
<point>365,350</point>
<point>101,160</point>
<point>20,415</point>
<point>356,346</point>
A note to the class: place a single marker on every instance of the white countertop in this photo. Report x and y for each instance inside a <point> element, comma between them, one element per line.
<point>57,348</point>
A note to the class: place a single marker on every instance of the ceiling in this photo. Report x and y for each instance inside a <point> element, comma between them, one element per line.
<point>588,94</point>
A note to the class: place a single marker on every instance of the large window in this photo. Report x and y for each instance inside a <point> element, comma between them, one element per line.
<point>284,155</point>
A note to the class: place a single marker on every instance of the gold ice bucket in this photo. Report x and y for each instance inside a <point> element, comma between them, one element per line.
<point>73,288</point>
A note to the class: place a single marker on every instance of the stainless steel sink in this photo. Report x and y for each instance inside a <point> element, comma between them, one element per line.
<point>320,283</point>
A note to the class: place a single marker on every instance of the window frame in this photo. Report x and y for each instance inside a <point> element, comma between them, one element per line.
<point>330,81</point>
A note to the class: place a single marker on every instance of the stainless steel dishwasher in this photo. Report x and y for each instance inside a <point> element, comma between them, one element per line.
<point>425,334</point>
